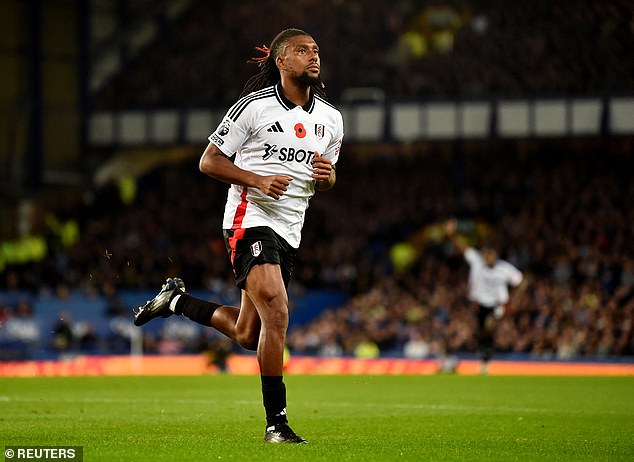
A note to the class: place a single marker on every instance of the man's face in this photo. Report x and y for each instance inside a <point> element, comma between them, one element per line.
<point>490,256</point>
<point>300,60</point>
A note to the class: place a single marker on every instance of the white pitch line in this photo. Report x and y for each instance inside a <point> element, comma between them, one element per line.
<point>337,404</point>
<point>96,400</point>
<point>456,408</point>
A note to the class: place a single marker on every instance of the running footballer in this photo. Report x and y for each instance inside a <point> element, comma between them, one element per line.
<point>285,138</point>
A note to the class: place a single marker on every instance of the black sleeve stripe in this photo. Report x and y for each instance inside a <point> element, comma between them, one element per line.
<point>237,108</point>
<point>324,101</point>
<point>239,112</point>
<point>246,100</point>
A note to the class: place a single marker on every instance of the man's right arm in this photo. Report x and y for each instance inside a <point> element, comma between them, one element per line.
<point>215,164</point>
<point>450,231</point>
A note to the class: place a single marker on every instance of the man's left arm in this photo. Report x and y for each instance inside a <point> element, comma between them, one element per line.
<point>518,286</point>
<point>324,173</point>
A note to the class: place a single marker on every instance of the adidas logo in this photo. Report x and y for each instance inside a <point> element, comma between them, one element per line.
<point>276,127</point>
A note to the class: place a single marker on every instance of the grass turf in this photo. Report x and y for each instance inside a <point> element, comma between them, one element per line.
<point>369,418</point>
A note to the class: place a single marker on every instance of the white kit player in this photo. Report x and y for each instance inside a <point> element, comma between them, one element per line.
<point>286,140</point>
<point>279,140</point>
<point>489,281</point>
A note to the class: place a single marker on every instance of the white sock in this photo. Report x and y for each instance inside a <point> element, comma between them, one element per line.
<point>173,303</point>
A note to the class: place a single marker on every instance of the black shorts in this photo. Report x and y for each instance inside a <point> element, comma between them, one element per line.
<point>253,246</point>
<point>483,313</point>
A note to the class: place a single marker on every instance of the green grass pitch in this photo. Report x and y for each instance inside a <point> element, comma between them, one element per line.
<point>364,418</point>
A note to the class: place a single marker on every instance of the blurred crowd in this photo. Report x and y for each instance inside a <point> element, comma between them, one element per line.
<point>406,49</point>
<point>559,211</point>
<point>564,218</point>
<point>26,334</point>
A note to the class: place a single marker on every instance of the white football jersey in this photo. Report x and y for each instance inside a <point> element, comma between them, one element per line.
<point>488,286</point>
<point>270,135</point>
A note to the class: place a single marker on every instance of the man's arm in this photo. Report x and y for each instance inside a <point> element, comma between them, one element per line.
<point>323,173</point>
<point>217,165</point>
<point>516,293</point>
<point>450,232</point>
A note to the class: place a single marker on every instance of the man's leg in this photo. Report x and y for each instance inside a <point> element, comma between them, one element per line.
<point>241,325</point>
<point>487,331</point>
<point>265,287</point>
<point>261,321</point>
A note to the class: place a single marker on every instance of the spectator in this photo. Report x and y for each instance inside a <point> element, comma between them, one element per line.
<point>416,346</point>
<point>466,49</point>
<point>561,209</point>
<point>62,333</point>
<point>22,328</point>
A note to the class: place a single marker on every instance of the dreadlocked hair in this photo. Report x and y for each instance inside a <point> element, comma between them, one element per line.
<point>269,74</point>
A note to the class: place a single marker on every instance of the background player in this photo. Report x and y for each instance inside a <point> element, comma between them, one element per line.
<point>286,140</point>
<point>489,281</point>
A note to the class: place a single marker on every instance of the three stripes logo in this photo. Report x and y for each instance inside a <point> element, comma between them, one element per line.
<point>276,127</point>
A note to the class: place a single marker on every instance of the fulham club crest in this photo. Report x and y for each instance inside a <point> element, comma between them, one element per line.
<point>256,249</point>
<point>319,131</point>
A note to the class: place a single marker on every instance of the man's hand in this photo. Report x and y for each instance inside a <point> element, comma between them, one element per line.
<point>323,173</point>
<point>216,164</point>
<point>274,185</point>
<point>450,227</point>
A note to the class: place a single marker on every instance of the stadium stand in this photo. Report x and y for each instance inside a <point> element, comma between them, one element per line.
<point>449,49</point>
<point>559,207</point>
<point>562,218</point>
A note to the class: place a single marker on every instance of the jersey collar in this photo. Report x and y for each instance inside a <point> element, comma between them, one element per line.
<point>288,104</point>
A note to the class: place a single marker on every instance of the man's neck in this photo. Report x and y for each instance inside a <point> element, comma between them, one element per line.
<point>295,93</point>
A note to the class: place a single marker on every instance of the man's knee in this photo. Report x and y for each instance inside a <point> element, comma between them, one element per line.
<point>273,309</point>
<point>248,339</point>
<point>273,297</point>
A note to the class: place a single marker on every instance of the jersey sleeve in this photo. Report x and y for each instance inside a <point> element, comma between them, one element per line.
<point>233,131</point>
<point>332,151</point>
<point>471,255</point>
<point>514,275</point>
